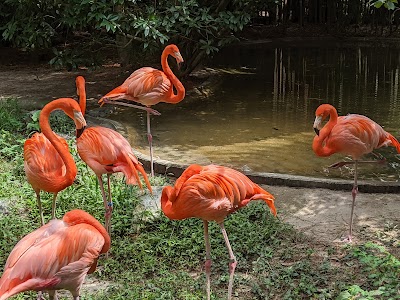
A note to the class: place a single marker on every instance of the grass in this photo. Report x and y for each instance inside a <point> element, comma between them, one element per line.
<point>153,257</point>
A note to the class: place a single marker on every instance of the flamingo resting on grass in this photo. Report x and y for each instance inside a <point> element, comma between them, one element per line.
<point>106,151</point>
<point>56,256</point>
<point>150,86</point>
<point>353,135</point>
<point>47,162</point>
<point>211,193</point>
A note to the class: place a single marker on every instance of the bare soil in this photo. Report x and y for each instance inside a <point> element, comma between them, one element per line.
<point>322,214</point>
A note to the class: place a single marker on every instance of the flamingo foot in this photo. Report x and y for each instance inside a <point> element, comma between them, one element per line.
<point>40,296</point>
<point>232,267</point>
<point>148,109</point>
<point>347,240</point>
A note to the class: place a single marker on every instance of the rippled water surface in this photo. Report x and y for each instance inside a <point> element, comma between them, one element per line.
<point>257,113</point>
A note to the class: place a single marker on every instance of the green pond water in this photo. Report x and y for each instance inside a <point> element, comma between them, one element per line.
<point>257,112</point>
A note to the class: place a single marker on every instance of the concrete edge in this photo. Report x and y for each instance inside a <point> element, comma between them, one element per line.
<point>169,168</point>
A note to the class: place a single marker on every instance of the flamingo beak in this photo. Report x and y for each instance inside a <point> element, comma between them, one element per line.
<point>179,59</point>
<point>317,124</point>
<point>80,123</point>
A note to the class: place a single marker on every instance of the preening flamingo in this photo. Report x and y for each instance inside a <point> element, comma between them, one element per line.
<point>47,162</point>
<point>106,151</point>
<point>56,256</point>
<point>150,86</point>
<point>353,135</point>
<point>211,193</point>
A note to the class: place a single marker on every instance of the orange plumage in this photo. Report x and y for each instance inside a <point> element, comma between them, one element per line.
<point>150,86</point>
<point>353,135</point>
<point>106,151</point>
<point>211,193</point>
<point>47,162</point>
<point>56,256</point>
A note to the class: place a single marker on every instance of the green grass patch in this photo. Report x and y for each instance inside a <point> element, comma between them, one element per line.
<point>153,257</point>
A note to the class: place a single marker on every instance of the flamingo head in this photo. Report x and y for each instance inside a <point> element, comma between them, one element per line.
<point>174,52</point>
<point>322,112</point>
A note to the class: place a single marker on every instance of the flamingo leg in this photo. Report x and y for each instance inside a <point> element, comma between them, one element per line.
<point>148,109</point>
<point>106,206</point>
<point>110,203</point>
<point>207,264</point>
<point>353,194</point>
<point>150,139</point>
<point>53,207</point>
<point>40,208</point>
<point>53,295</point>
<point>352,162</point>
<point>232,261</point>
<point>40,296</point>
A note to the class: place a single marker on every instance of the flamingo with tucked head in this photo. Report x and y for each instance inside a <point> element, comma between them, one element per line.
<point>211,193</point>
<point>56,256</point>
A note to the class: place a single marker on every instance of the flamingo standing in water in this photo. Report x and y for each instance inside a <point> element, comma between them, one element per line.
<point>211,193</point>
<point>150,86</point>
<point>106,151</point>
<point>353,135</point>
<point>47,162</point>
<point>56,256</point>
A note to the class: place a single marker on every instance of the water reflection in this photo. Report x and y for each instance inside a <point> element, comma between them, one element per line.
<point>259,117</point>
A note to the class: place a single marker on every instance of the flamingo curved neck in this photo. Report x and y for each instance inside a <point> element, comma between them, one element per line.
<point>82,96</point>
<point>71,170</point>
<point>172,97</point>
<point>319,143</point>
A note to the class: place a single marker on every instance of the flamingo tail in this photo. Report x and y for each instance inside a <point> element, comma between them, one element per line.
<point>395,143</point>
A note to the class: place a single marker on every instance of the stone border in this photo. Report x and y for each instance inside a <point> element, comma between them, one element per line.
<point>166,167</point>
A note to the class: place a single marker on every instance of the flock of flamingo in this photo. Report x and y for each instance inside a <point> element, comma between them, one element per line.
<point>60,253</point>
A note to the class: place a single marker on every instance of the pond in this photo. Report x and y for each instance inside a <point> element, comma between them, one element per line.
<point>257,113</point>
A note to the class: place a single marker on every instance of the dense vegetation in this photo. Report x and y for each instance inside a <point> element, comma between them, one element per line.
<point>82,32</point>
<point>155,258</point>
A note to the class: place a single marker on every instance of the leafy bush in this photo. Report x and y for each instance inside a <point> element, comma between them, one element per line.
<point>199,27</point>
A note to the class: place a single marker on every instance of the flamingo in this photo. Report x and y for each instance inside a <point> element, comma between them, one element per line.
<point>106,151</point>
<point>211,193</point>
<point>47,162</point>
<point>150,86</point>
<point>353,135</point>
<point>56,256</point>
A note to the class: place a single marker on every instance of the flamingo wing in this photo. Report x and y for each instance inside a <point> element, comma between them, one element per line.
<point>357,135</point>
<point>43,163</point>
<point>148,85</point>
<point>106,151</point>
<point>213,192</point>
<point>54,256</point>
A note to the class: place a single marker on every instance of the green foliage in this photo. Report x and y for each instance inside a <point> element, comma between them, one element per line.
<point>381,270</point>
<point>84,26</point>
<point>388,4</point>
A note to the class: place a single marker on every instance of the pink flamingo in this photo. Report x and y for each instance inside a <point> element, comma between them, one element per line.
<point>150,86</point>
<point>211,193</point>
<point>56,256</point>
<point>353,135</point>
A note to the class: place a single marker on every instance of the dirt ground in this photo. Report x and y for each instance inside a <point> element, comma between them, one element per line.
<point>323,214</point>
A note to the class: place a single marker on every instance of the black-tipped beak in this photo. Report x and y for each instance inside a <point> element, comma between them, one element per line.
<point>80,131</point>
<point>316,130</point>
